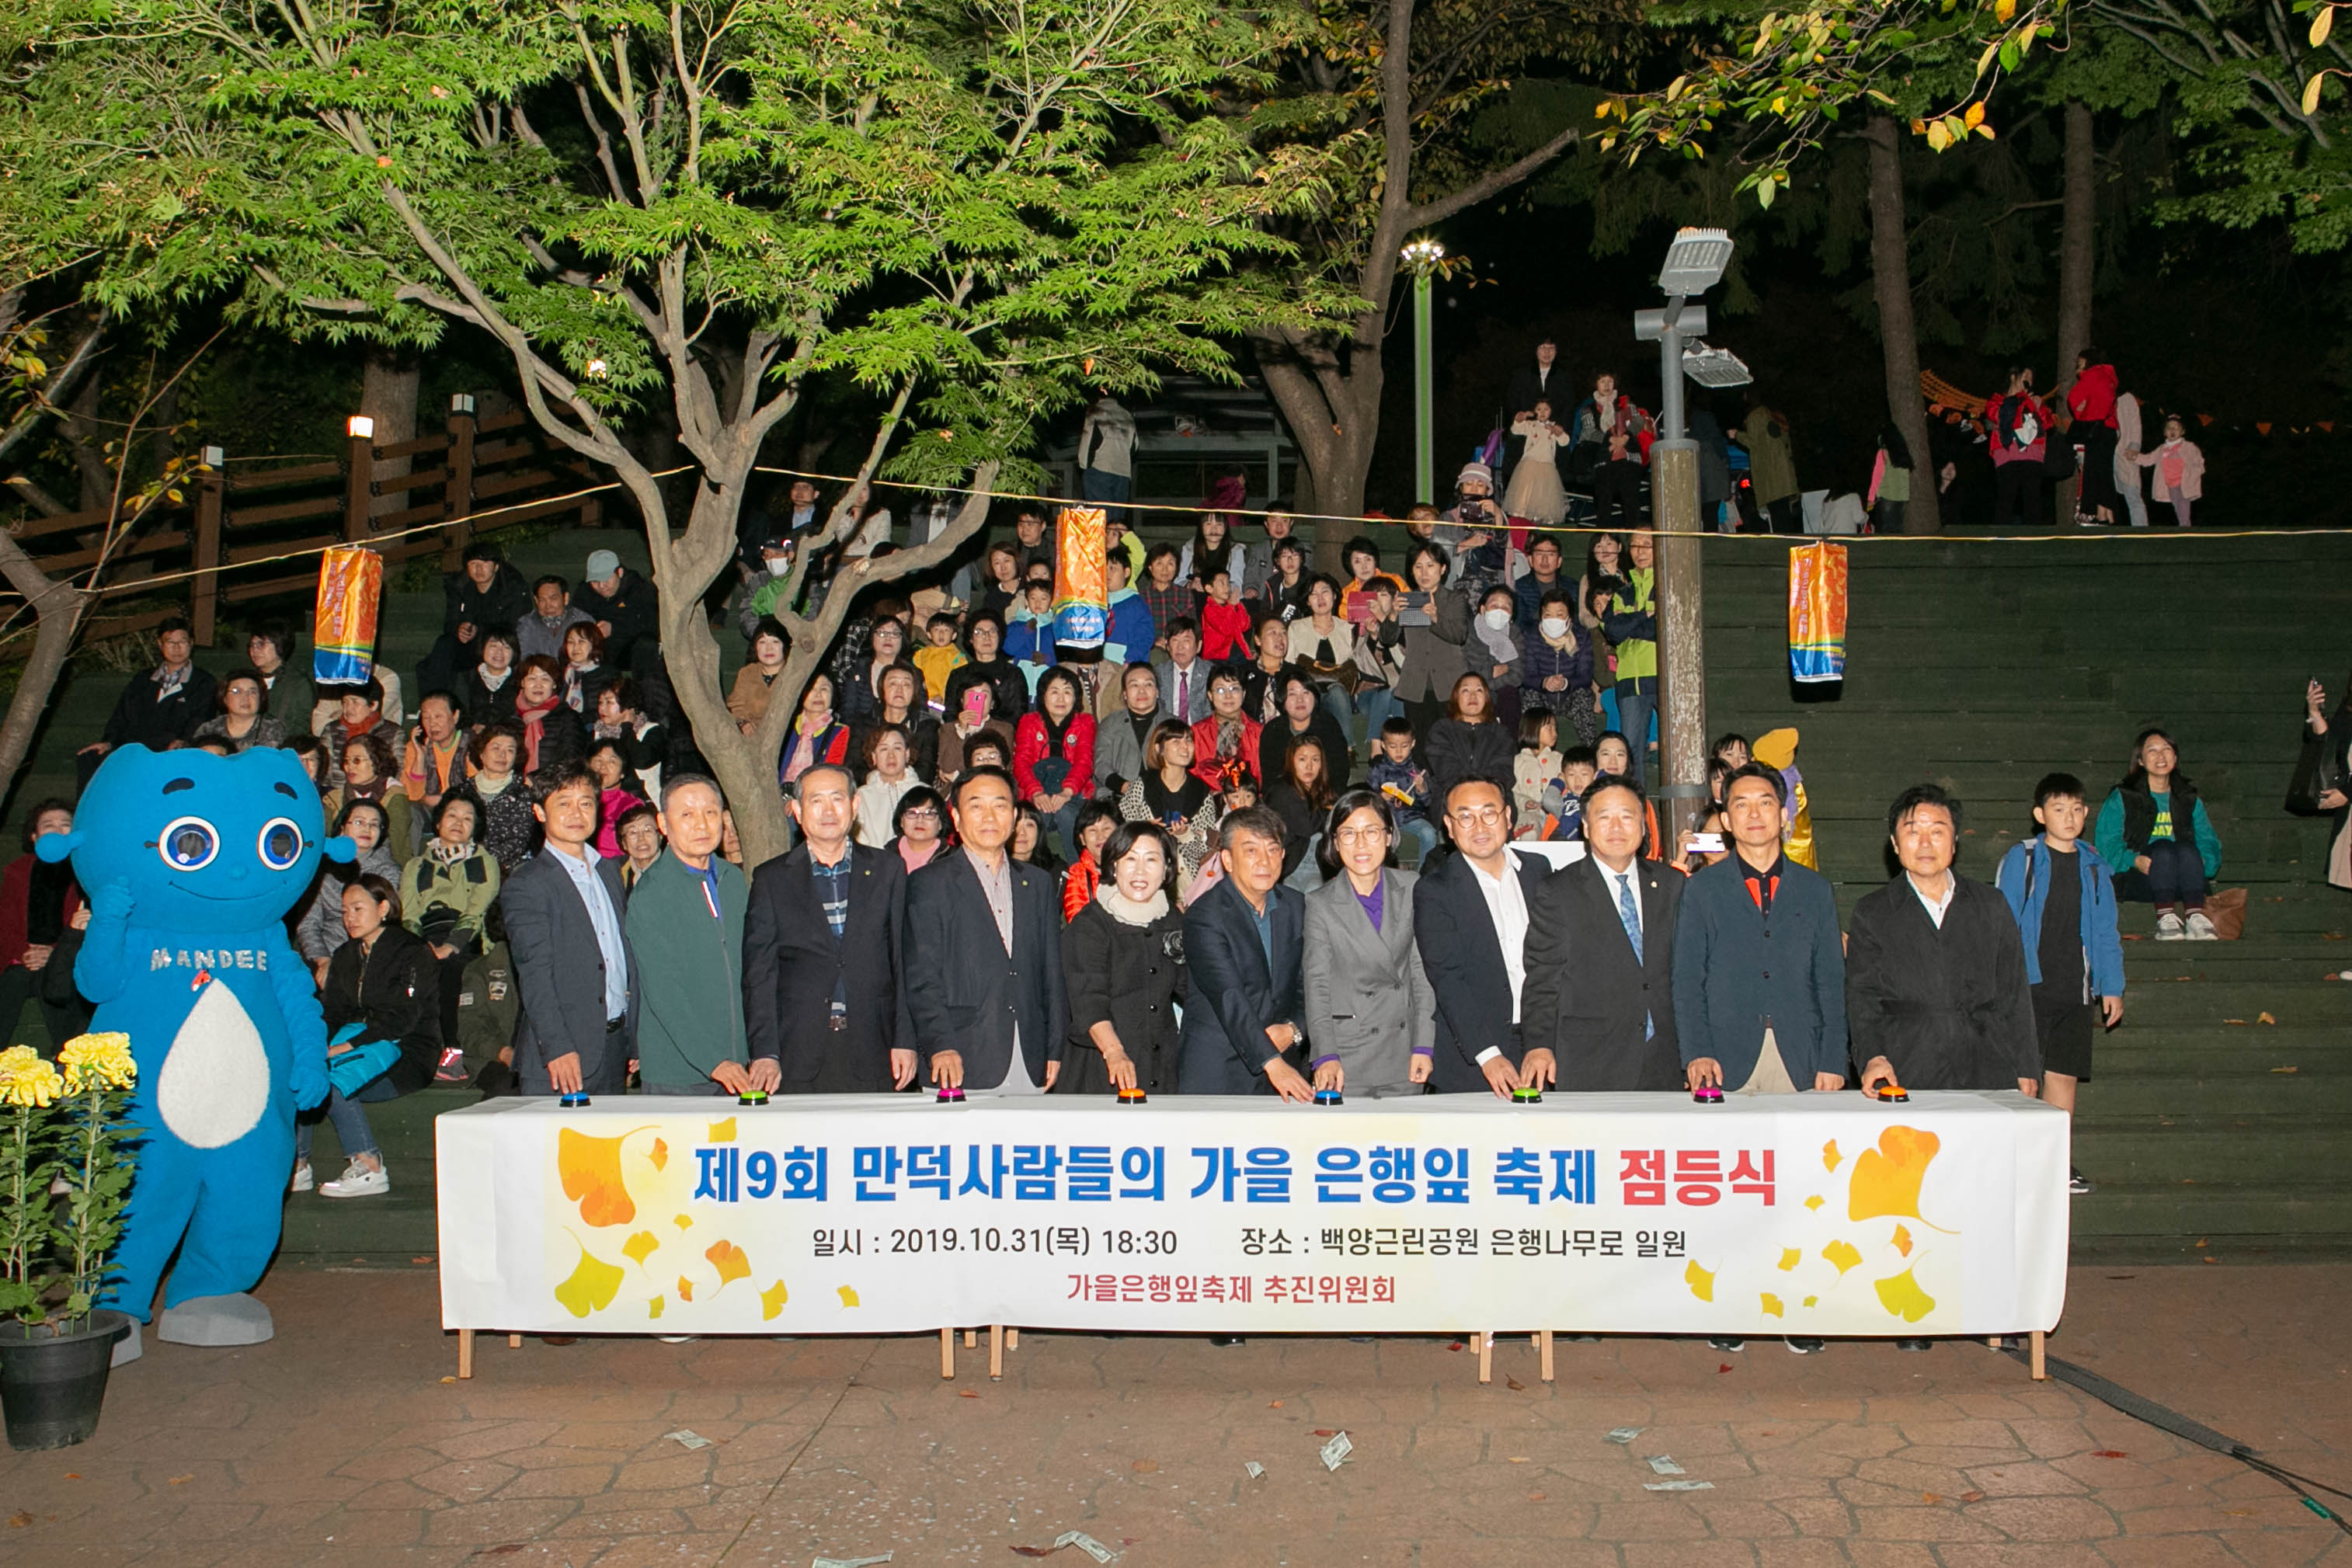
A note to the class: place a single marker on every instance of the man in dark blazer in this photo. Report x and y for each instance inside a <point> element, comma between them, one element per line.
<point>571,961</point>
<point>1470,918</point>
<point>1245,957</point>
<point>1599,1002</point>
<point>820,1008</point>
<point>980,996</point>
<point>1935,983</point>
<point>1759,968</point>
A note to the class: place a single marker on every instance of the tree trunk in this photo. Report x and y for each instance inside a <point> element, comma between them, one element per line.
<point>1333,408</point>
<point>2074,246</point>
<point>81,429</point>
<point>1898,333</point>
<point>60,608</point>
<point>388,395</point>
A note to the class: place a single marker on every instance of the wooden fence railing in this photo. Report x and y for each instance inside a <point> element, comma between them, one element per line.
<point>500,468</point>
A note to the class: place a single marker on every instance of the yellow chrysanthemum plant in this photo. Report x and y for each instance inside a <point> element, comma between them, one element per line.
<point>62,1129</point>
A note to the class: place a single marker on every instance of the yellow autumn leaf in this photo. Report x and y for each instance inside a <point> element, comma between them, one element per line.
<point>848,1295</point>
<point>1903,1296</point>
<point>2311,92</point>
<point>1831,1157</point>
<point>1887,1178</point>
<point>591,1287</point>
<point>1700,1281</point>
<point>2002,10</point>
<point>1843,1254</point>
<point>1814,1202</point>
<point>1938,136</point>
<point>773,1300</point>
<point>684,1289</point>
<point>1772,1306</point>
<point>730,1262</point>
<point>654,1307</point>
<point>2321,23</point>
<point>1974,117</point>
<point>659,1154</point>
<point>591,1170</point>
<point>722,1132</point>
<point>1790,1258</point>
<point>640,1246</point>
<point>1903,1240</point>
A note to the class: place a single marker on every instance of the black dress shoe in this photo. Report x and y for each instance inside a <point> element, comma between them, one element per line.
<point>1222,1339</point>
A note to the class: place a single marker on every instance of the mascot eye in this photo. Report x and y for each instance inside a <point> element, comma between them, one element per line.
<point>282,843</point>
<point>188,844</point>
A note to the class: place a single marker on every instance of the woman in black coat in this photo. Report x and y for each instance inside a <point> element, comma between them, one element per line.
<point>1008,689</point>
<point>1286,728</point>
<point>1123,962</point>
<point>384,979</point>
<point>1468,743</point>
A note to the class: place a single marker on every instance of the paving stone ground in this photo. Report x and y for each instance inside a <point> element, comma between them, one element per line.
<point>344,1442</point>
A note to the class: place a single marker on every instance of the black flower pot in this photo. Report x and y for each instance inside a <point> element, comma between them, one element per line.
<point>52,1385</point>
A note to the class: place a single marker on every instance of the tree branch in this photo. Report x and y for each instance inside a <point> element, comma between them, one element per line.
<point>1492,184</point>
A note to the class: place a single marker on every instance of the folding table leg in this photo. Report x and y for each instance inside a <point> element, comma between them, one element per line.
<point>1543,1349</point>
<point>1012,1339</point>
<point>1485,1358</point>
<point>947,1353</point>
<point>465,1353</point>
<point>2041,1367</point>
<point>995,1352</point>
<point>970,1339</point>
<point>514,1341</point>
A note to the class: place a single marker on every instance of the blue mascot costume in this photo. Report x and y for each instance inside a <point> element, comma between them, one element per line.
<point>191,861</point>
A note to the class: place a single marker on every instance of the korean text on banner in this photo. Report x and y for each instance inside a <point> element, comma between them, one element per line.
<point>1813,1214</point>
<point>1817,587</point>
<point>1081,594</point>
<point>351,589</point>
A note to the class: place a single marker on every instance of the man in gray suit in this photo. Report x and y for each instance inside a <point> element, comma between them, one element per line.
<point>572,958</point>
<point>1121,735</point>
<point>1183,673</point>
<point>1370,1015</point>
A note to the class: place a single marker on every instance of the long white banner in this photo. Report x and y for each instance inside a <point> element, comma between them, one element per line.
<point>1815,1213</point>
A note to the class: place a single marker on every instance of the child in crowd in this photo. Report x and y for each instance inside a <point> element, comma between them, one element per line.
<point>939,659</point>
<point>1406,784</point>
<point>2065,902</point>
<point>1534,771</point>
<point>1777,749</point>
<point>1564,802</point>
<point>1129,634</point>
<point>1225,622</point>
<point>2180,468</point>
<point>1029,632</point>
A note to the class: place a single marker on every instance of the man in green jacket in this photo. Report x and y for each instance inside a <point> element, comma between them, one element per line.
<point>686,923</point>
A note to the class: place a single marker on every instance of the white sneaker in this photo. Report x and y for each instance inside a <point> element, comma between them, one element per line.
<point>2201,929</point>
<point>358,1181</point>
<point>301,1182</point>
<point>2169,927</point>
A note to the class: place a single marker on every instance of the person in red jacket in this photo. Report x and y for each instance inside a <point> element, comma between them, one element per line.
<point>1224,744</point>
<point>2019,426</point>
<point>2091,400</point>
<point>1053,756</point>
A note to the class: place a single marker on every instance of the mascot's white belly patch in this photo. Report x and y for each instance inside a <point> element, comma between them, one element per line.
<point>215,1080</point>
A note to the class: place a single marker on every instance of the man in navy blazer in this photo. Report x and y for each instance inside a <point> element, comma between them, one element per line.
<point>820,1008</point>
<point>982,994</point>
<point>574,967</point>
<point>1760,967</point>
<point>1470,920</point>
<point>1245,953</point>
<point>1599,1009</point>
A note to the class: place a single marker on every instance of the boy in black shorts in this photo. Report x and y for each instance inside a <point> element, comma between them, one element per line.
<point>2064,897</point>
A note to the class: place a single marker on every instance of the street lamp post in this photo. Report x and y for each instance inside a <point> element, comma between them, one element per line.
<point>1421,257</point>
<point>1694,264</point>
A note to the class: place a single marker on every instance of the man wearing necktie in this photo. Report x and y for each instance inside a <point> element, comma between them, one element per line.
<point>1760,967</point>
<point>1599,1002</point>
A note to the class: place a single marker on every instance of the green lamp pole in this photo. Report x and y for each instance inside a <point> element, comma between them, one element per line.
<point>1423,256</point>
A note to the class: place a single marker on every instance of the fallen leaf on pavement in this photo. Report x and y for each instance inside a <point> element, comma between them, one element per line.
<point>2106,1453</point>
<point>2240,1021</point>
<point>182,1480</point>
<point>1973,1496</point>
<point>449,1380</point>
<point>1144,1466</point>
<point>1518,1459</point>
<point>2283,1069</point>
<point>1274,1404</point>
<point>20,1520</point>
<point>966,1394</point>
<point>1725,1367</point>
<point>1535,1497</point>
<point>1515,1385</point>
<point>1932,1497</point>
<point>427,1259</point>
<point>2264,1018</point>
<point>1326,1431</point>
